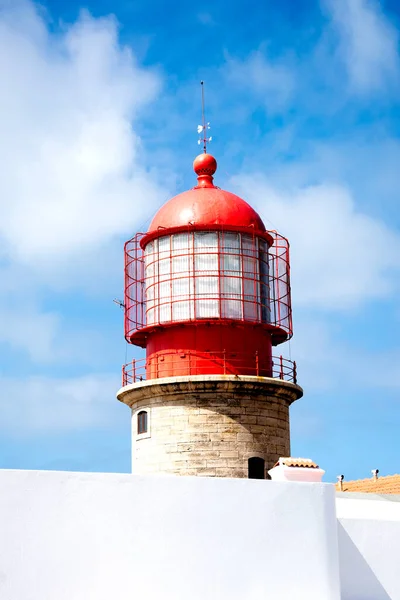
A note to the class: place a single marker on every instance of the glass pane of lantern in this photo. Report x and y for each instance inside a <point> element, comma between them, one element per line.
<point>207,309</point>
<point>207,289</point>
<point>231,287</point>
<point>250,288</point>
<point>250,310</point>
<point>150,297</point>
<point>180,287</point>
<point>265,304</point>
<point>182,310</point>
<point>164,269</point>
<point>206,257</point>
<point>165,312</point>
<point>250,267</point>
<point>164,289</point>
<point>180,241</point>
<point>181,264</point>
<point>264,272</point>
<point>148,253</point>
<point>249,246</point>
<point>150,292</point>
<point>251,297</point>
<point>150,270</point>
<point>164,246</point>
<point>206,263</point>
<point>230,248</point>
<point>230,263</point>
<point>150,316</point>
<point>206,240</point>
<point>230,243</point>
<point>207,286</point>
<point>232,309</point>
<point>265,287</point>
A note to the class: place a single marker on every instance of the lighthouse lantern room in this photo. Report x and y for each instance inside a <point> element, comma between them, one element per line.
<point>207,294</point>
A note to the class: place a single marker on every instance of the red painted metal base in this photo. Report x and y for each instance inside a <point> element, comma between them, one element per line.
<point>219,348</point>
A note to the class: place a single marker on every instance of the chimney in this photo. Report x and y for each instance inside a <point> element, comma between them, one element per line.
<point>375,474</point>
<point>340,481</point>
<point>296,469</point>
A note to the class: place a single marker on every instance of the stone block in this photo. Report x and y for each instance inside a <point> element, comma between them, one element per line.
<point>186,447</point>
<point>231,428</point>
<point>225,472</point>
<point>218,437</point>
<point>258,429</point>
<point>229,454</point>
<point>216,462</point>
<point>206,472</point>
<point>197,419</point>
<point>201,437</point>
<point>249,419</point>
<point>244,437</point>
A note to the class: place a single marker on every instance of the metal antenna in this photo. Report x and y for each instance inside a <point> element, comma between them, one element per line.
<point>203,117</point>
<point>119,302</point>
<point>204,126</point>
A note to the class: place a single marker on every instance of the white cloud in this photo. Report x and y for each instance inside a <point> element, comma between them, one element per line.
<point>73,174</point>
<point>74,178</point>
<point>341,257</point>
<point>30,406</point>
<point>368,44</point>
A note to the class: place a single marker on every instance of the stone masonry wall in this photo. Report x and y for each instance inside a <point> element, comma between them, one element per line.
<point>209,427</point>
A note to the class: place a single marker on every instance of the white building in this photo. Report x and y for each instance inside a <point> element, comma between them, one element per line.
<point>74,536</point>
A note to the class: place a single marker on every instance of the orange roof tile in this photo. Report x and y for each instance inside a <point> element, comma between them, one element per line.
<point>289,461</point>
<point>390,484</point>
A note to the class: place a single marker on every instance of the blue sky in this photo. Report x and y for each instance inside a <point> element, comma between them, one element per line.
<point>99,110</point>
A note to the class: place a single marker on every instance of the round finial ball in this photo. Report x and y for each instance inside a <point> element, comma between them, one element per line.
<point>204,164</point>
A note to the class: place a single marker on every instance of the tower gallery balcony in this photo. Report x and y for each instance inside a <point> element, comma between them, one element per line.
<point>187,363</point>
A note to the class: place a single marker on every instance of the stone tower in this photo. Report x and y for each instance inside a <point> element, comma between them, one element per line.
<point>207,294</point>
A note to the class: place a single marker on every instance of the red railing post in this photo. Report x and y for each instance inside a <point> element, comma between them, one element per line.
<point>224,355</point>
<point>257,365</point>
<point>133,371</point>
<point>294,372</point>
<point>281,375</point>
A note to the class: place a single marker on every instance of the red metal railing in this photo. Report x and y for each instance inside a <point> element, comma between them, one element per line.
<point>263,297</point>
<point>142,369</point>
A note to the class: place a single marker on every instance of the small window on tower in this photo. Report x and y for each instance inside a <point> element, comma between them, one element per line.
<point>142,422</point>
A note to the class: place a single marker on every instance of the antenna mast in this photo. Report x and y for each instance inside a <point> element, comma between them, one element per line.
<point>203,117</point>
<point>202,129</point>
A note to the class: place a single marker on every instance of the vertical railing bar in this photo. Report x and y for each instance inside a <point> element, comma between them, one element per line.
<point>257,364</point>
<point>224,358</point>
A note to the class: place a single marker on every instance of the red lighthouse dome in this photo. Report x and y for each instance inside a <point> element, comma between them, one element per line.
<point>207,287</point>
<point>207,206</point>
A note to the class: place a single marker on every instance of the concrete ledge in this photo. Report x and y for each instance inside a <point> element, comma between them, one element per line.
<point>241,384</point>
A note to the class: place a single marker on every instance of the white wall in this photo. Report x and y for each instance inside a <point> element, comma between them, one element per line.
<point>75,536</point>
<point>369,547</point>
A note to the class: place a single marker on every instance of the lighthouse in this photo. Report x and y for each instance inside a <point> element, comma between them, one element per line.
<point>207,295</point>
